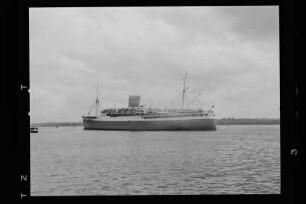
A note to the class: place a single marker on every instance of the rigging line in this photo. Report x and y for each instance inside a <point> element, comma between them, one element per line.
<point>199,94</point>
<point>197,104</point>
<point>178,101</point>
<point>90,110</point>
<point>175,102</point>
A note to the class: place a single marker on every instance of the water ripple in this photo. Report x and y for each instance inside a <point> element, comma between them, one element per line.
<point>231,160</point>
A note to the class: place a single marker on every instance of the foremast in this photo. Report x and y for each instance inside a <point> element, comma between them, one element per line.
<point>184,89</point>
<point>96,105</point>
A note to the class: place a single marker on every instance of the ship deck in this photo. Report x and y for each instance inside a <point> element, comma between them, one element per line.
<point>139,118</point>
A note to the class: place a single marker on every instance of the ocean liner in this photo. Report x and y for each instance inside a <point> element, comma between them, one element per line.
<point>136,117</point>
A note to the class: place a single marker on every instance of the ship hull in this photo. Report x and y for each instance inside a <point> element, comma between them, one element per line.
<point>152,125</point>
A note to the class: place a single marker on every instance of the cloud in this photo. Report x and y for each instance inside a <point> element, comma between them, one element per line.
<point>253,23</point>
<point>230,53</point>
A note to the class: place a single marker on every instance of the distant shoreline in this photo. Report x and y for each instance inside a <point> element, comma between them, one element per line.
<point>222,121</point>
<point>248,121</point>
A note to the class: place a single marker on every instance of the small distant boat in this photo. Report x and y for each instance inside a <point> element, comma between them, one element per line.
<point>33,129</point>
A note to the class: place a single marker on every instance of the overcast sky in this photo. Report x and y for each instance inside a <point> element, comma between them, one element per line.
<point>231,54</point>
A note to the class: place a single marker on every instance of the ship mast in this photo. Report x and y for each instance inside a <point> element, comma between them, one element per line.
<point>184,89</point>
<point>97,106</point>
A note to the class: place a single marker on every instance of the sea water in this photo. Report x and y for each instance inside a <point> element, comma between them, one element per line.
<point>235,159</point>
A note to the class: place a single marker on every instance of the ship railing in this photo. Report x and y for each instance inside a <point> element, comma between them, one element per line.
<point>185,113</point>
<point>169,115</point>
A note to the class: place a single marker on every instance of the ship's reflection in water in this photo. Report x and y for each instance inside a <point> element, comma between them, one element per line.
<point>231,160</point>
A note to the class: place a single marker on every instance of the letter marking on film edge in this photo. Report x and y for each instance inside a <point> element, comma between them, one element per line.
<point>24,177</point>
<point>293,152</point>
<point>23,87</point>
<point>23,195</point>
